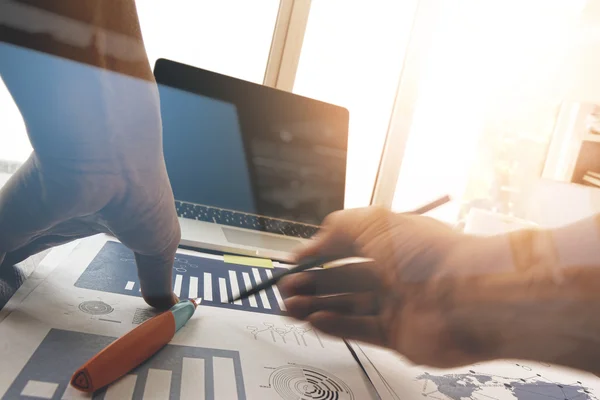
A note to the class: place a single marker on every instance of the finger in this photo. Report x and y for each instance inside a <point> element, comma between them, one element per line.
<point>26,208</point>
<point>333,239</point>
<point>60,234</point>
<point>155,270</point>
<point>152,231</point>
<point>359,277</point>
<point>38,245</point>
<point>344,233</point>
<point>300,307</point>
<point>365,328</point>
<point>330,241</point>
<point>155,273</point>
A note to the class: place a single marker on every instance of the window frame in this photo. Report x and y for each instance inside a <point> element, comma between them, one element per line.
<point>286,45</point>
<point>282,65</point>
<point>401,118</point>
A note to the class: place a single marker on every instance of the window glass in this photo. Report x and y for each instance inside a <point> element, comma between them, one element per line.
<point>352,56</point>
<point>497,76</point>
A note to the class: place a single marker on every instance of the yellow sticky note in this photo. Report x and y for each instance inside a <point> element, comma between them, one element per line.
<point>249,261</point>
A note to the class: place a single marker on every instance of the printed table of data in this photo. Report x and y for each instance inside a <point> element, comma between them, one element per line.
<point>113,270</point>
<point>175,372</point>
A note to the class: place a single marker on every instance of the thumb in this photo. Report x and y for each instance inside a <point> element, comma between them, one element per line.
<point>154,257</point>
<point>333,239</point>
<point>155,273</point>
<point>27,208</point>
<point>346,233</point>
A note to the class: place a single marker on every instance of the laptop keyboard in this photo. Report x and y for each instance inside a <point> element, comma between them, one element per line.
<point>243,220</point>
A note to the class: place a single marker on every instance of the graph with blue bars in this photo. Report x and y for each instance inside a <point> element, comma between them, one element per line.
<point>175,372</point>
<point>114,270</point>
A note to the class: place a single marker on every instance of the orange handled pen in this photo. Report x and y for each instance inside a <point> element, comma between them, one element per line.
<point>133,348</point>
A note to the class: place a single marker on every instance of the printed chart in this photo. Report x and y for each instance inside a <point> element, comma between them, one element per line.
<point>175,372</point>
<point>302,336</point>
<point>300,382</point>
<point>113,270</point>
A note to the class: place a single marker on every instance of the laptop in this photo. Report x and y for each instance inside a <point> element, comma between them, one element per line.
<point>254,170</point>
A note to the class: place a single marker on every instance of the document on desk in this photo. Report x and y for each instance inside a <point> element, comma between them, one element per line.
<point>243,350</point>
<point>397,379</point>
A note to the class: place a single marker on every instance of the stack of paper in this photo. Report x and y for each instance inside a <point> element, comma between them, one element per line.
<point>81,300</point>
<point>243,350</point>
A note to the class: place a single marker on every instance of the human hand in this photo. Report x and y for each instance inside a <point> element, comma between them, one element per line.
<point>97,163</point>
<point>78,188</point>
<point>404,299</point>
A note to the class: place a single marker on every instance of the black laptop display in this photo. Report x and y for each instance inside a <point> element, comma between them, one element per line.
<point>243,154</point>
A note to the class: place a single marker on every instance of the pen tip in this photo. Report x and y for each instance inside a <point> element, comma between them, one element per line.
<point>196,301</point>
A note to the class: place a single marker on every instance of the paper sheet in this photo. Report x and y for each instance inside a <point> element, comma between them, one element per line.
<point>553,203</point>
<point>226,351</point>
<point>487,223</point>
<point>250,261</point>
<point>396,379</point>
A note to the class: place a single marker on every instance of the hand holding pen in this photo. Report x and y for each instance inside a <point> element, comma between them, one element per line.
<point>407,298</point>
<point>320,260</point>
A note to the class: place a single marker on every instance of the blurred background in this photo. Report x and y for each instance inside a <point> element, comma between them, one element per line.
<point>479,99</point>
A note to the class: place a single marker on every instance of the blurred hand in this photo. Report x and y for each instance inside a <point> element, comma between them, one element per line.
<point>93,118</point>
<point>401,300</point>
<point>114,184</point>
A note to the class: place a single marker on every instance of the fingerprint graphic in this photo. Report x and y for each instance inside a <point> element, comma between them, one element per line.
<point>299,382</point>
<point>95,307</point>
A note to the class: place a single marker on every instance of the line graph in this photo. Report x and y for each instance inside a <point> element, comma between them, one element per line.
<point>303,336</point>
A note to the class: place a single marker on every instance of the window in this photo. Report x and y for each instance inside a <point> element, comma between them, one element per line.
<point>232,37</point>
<point>494,79</point>
<point>493,92</point>
<point>352,56</point>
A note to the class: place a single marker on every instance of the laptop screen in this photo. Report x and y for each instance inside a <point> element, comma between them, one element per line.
<point>245,147</point>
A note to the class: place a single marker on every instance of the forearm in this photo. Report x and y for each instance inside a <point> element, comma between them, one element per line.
<point>535,295</point>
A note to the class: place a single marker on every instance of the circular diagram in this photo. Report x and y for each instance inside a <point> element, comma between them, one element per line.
<point>300,382</point>
<point>95,307</point>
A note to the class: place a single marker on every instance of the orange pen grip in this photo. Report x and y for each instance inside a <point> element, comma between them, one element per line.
<point>125,353</point>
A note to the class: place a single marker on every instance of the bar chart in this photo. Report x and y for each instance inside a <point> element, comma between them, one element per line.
<point>113,270</point>
<point>175,372</point>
